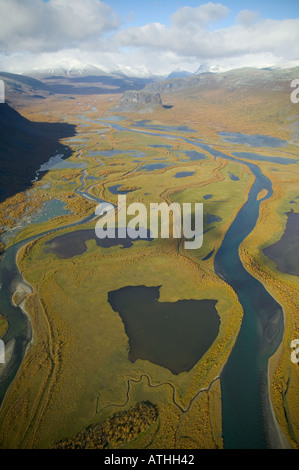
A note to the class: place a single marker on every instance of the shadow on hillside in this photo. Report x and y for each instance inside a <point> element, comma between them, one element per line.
<point>24,147</point>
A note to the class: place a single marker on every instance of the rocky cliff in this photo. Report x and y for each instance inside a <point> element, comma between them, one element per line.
<point>136,101</point>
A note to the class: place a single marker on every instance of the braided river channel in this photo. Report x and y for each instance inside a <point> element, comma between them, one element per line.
<point>248,421</point>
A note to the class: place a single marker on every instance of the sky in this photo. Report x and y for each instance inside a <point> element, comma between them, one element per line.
<point>144,37</point>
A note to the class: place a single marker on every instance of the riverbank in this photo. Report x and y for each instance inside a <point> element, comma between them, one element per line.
<point>279,371</point>
<point>277,438</point>
<point>282,374</point>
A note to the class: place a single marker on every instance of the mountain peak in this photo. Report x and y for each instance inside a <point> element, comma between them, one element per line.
<point>205,68</point>
<point>66,70</point>
<point>179,73</point>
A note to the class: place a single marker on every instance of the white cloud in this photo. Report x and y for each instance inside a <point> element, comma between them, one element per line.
<point>37,26</point>
<point>279,38</point>
<point>35,33</point>
<point>199,16</point>
<point>247,17</point>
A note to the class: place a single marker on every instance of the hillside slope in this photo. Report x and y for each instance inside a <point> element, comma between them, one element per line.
<point>24,146</point>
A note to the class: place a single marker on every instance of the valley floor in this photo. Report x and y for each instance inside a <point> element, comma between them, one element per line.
<point>78,384</point>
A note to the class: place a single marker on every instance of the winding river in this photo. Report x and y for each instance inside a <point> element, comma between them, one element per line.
<point>248,421</point>
<point>19,334</point>
<point>247,418</point>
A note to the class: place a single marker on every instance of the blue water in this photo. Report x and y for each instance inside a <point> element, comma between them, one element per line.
<point>244,377</point>
<point>156,127</point>
<point>211,218</point>
<point>194,155</point>
<point>58,162</point>
<point>93,153</point>
<point>265,158</point>
<point>112,153</point>
<point>208,255</point>
<point>184,174</point>
<point>51,209</point>
<point>168,147</point>
<point>153,166</point>
<point>114,189</point>
<point>91,177</point>
<point>114,118</point>
<point>77,140</point>
<point>233,177</point>
<point>253,140</point>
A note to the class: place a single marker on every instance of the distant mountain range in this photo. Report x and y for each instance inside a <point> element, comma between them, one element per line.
<point>19,87</point>
<point>72,68</point>
<point>79,70</point>
<point>89,79</point>
<point>92,80</point>
<point>270,78</point>
<point>203,68</point>
<point>70,71</point>
<point>247,80</point>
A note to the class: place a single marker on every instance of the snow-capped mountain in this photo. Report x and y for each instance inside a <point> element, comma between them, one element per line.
<point>69,70</point>
<point>204,68</point>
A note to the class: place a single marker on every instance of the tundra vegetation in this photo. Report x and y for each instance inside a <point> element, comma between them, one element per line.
<point>76,387</point>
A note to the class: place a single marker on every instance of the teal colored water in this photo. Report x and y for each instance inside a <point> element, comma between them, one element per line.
<point>245,402</point>
<point>19,330</point>
<point>51,209</point>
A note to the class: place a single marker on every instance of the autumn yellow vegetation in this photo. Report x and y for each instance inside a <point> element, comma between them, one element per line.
<point>76,387</point>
